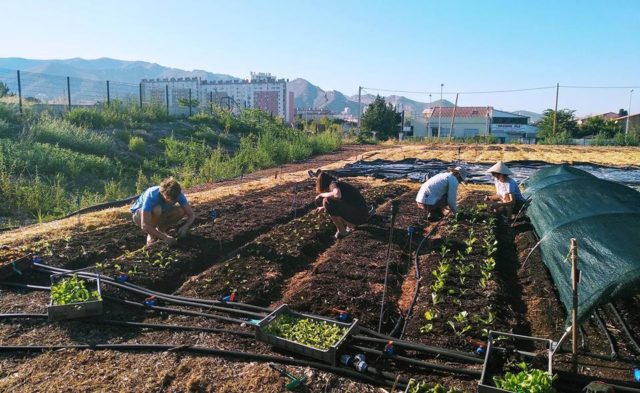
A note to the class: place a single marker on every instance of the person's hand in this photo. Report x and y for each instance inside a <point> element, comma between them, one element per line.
<point>319,209</point>
<point>318,197</point>
<point>170,240</point>
<point>182,232</point>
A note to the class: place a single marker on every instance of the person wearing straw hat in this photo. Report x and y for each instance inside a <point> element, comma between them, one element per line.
<point>508,196</point>
<point>441,191</point>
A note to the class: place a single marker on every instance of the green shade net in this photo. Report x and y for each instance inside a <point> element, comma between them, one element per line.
<point>603,217</point>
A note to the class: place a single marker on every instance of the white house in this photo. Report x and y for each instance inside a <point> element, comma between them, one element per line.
<point>474,121</point>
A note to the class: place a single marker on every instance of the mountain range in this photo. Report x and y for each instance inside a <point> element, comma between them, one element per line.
<point>306,94</point>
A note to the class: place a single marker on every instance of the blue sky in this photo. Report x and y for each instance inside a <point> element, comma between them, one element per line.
<point>340,45</point>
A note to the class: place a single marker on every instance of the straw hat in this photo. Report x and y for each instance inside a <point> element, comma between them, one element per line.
<point>501,168</point>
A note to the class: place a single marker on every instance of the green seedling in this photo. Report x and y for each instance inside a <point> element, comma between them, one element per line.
<point>430,315</point>
<point>526,381</point>
<point>424,387</point>
<point>321,335</point>
<point>426,328</point>
<point>435,298</point>
<point>72,290</point>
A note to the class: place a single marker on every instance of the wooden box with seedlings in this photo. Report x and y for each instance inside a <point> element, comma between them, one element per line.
<point>74,296</point>
<point>312,336</point>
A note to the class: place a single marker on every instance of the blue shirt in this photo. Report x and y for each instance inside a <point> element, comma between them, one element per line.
<point>151,198</point>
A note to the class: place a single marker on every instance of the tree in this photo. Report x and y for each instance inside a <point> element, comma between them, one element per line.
<point>381,117</point>
<point>4,89</point>
<point>622,112</point>
<point>566,124</point>
<point>597,125</point>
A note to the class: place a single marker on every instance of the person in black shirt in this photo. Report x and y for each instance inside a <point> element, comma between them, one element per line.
<point>343,202</point>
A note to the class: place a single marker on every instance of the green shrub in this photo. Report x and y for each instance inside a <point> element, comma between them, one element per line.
<point>122,135</point>
<point>9,113</point>
<point>64,134</point>
<point>86,117</point>
<point>136,144</point>
<point>200,118</point>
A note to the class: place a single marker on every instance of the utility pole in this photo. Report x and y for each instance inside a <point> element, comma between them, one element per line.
<point>626,127</point>
<point>555,113</point>
<point>359,106</point>
<point>440,110</point>
<point>429,119</point>
<point>453,118</point>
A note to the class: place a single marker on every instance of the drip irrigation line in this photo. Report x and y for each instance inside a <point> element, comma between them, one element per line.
<point>23,316</point>
<point>583,343</point>
<point>625,327</point>
<point>394,208</point>
<point>586,379</point>
<point>418,278</point>
<point>161,326</point>
<point>373,376</point>
<point>25,286</point>
<point>160,295</point>
<point>419,363</point>
<point>601,325</point>
<point>452,354</point>
<point>173,310</point>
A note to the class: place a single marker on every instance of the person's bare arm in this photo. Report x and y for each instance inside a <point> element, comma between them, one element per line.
<point>148,227</point>
<point>188,211</point>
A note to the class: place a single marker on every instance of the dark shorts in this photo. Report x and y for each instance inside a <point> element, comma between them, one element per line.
<point>355,215</point>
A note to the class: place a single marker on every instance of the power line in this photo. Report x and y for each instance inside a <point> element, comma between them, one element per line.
<point>461,92</point>
<point>600,87</point>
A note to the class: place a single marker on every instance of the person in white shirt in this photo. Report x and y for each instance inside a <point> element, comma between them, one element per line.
<point>441,191</point>
<point>508,196</point>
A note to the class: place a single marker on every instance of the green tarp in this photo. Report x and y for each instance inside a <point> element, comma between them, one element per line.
<point>604,218</point>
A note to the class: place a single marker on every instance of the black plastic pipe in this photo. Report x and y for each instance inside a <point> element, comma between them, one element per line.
<point>452,354</point>
<point>160,295</point>
<point>420,363</point>
<point>625,327</point>
<point>385,379</point>
<point>418,279</point>
<point>23,316</point>
<point>173,310</point>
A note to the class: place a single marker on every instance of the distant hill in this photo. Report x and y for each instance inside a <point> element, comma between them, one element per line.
<point>104,69</point>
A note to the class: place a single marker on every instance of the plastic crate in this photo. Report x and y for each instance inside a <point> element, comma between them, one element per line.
<point>75,310</point>
<point>326,356</point>
<point>486,383</point>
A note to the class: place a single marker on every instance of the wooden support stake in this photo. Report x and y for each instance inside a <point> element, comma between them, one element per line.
<point>575,278</point>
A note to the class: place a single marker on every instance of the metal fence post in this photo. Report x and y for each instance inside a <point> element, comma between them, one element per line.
<point>189,101</point>
<point>140,93</point>
<point>19,93</point>
<point>166,97</point>
<point>108,94</point>
<point>69,92</point>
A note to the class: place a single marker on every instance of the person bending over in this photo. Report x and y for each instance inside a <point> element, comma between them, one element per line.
<point>441,191</point>
<point>155,211</point>
<point>508,196</point>
<point>343,202</point>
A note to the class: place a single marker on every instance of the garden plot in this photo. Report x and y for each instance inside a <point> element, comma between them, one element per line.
<point>458,298</point>
<point>259,269</point>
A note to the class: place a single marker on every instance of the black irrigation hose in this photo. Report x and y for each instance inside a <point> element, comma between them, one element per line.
<point>452,354</point>
<point>385,379</point>
<point>418,278</point>
<point>420,363</point>
<point>25,286</point>
<point>160,295</point>
<point>625,327</point>
<point>586,379</point>
<point>173,310</point>
<point>614,351</point>
<point>159,326</point>
<point>24,316</point>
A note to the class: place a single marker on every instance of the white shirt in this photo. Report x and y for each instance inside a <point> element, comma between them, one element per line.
<point>509,187</point>
<point>436,187</point>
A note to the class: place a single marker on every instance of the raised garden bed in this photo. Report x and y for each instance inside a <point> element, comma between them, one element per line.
<point>73,297</point>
